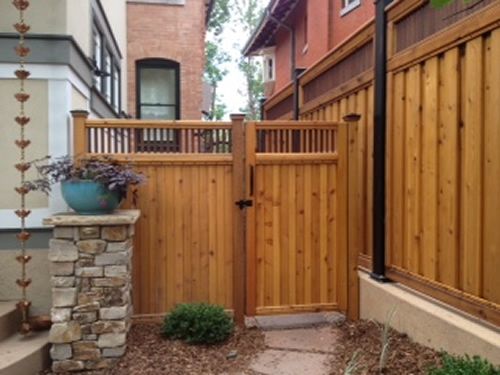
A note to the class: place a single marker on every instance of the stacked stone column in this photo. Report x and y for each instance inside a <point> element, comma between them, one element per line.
<point>90,267</point>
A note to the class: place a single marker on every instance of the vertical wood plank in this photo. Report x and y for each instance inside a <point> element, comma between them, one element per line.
<point>412,168</point>
<point>276,238</point>
<point>491,201</point>
<point>471,220</point>
<point>448,205</point>
<point>178,236</point>
<point>398,173</point>
<point>212,233</point>
<point>369,169</point>
<point>307,236</point>
<point>252,254</point>
<point>429,168</point>
<point>323,233</point>
<point>342,218</point>
<point>292,250</point>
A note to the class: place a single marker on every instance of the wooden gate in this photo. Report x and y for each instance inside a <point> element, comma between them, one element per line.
<point>297,222</point>
<point>286,252</point>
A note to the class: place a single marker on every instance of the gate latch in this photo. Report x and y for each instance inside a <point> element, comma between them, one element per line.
<point>244,203</point>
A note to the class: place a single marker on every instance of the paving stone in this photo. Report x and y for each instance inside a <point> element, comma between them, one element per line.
<point>116,271</point>
<point>110,259</point>
<point>115,233</point>
<point>91,246</point>
<point>112,313</point>
<point>110,281</point>
<point>89,271</point>
<point>67,365</point>
<point>279,362</point>
<point>60,314</point>
<point>60,352</point>
<point>320,339</point>
<point>63,333</point>
<point>111,340</point>
<point>63,232</point>
<point>62,251</point>
<point>62,281</point>
<point>113,247</point>
<point>62,268</point>
<point>291,321</point>
<point>109,326</point>
<point>89,233</point>
<point>63,297</point>
<point>114,352</point>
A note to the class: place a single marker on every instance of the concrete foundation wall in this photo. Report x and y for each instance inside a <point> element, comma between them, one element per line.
<point>428,321</point>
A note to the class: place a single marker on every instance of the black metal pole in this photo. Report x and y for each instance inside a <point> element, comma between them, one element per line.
<point>261,104</point>
<point>379,153</point>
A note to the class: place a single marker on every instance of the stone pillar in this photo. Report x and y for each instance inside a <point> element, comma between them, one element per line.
<point>90,267</point>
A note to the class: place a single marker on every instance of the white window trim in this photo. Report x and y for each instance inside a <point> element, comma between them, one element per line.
<point>268,54</point>
<point>349,7</point>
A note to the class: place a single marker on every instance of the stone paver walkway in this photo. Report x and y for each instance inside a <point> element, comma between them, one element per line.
<point>296,351</point>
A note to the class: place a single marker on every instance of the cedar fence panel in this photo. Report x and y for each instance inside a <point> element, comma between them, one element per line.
<point>443,142</point>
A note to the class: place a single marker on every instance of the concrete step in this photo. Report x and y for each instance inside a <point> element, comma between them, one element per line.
<point>24,355</point>
<point>10,319</point>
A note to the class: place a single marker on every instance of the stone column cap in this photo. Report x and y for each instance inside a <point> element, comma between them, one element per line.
<point>119,217</point>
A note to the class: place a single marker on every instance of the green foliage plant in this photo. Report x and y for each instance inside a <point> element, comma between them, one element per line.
<point>198,323</point>
<point>457,365</point>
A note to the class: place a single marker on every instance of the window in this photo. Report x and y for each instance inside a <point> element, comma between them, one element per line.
<point>158,98</point>
<point>348,5</point>
<point>158,89</point>
<point>106,60</point>
<point>269,64</point>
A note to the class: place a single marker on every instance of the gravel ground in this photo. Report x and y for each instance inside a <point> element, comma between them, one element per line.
<point>150,354</point>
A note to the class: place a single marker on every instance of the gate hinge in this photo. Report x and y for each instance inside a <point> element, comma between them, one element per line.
<point>244,203</point>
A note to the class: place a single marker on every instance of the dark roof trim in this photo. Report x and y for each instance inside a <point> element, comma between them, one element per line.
<point>263,35</point>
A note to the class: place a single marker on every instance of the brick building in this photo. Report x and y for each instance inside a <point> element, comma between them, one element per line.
<point>310,28</point>
<point>166,58</point>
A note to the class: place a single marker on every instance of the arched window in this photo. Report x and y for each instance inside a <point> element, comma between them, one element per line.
<point>158,89</point>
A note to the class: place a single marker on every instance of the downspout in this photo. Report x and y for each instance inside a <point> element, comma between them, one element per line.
<point>379,147</point>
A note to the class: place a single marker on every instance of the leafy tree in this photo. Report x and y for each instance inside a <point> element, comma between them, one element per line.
<point>248,14</point>
<point>216,57</point>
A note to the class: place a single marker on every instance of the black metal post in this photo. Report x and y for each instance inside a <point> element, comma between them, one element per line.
<point>379,147</point>
<point>261,104</point>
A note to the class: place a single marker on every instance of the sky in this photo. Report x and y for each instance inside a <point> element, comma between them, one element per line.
<point>232,86</point>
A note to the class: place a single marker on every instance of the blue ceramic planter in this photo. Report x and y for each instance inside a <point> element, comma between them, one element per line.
<point>89,197</point>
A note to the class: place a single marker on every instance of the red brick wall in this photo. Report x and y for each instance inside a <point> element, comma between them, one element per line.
<point>171,32</point>
<point>325,30</point>
<point>344,26</point>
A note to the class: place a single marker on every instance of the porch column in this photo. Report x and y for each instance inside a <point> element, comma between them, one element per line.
<point>90,267</point>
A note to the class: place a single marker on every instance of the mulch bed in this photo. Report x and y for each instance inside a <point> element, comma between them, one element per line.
<point>404,357</point>
<point>149,353</point>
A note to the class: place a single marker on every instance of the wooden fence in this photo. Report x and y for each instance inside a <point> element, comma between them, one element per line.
<point>285,252</point>
<point>443,142</point>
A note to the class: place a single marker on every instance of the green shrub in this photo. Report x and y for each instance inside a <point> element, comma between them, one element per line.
<point>455,365</point>
<point>198,323</point>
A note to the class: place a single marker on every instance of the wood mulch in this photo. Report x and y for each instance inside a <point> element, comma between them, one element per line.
<point>148,353</point>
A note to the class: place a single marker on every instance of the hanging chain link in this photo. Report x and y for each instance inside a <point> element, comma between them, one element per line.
<point>23,236</point>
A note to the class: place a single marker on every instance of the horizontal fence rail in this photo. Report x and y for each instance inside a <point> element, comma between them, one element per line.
<point>120,137</point>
